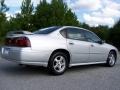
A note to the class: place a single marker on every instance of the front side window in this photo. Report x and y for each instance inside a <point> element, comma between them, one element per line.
<point>75,34</point>
<point>91,37</point>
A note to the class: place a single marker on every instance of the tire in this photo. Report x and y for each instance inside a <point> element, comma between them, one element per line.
<point>111,60</point>
<point>58,63</point>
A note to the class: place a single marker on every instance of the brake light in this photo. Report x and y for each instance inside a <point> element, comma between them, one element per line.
<point>22,42</point>
<point>18,41</point>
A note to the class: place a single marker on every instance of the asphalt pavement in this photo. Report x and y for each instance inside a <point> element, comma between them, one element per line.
<point>90,77</point>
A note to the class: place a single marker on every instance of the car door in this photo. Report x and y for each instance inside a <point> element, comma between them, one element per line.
<point>97,50</point>
<point>77,45</point>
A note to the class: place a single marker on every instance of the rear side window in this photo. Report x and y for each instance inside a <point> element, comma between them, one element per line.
<point>64,33</point>
<point>75,34</point>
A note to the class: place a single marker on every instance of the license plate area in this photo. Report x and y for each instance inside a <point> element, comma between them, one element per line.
<point>6,51</point>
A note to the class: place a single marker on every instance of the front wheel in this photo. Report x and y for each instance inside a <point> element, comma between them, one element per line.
<point>111,60</point>
<point>58,63</point>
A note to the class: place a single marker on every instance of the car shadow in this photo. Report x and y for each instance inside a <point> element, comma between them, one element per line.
<point>24,70</point>
<point>37,70</point>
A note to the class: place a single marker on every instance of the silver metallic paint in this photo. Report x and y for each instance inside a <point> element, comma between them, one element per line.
<point>42,46</point>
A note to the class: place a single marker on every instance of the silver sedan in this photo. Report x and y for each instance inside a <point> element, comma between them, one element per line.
<point>59,48</point>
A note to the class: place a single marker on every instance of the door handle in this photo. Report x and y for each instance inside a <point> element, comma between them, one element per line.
<point>71,43</point>
<point>92,45</point>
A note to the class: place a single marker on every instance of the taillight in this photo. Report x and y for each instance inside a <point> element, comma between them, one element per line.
<point>22,42</point>
<point>18,41</point>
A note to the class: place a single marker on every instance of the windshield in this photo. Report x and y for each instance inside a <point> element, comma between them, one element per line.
<point>46,30</point>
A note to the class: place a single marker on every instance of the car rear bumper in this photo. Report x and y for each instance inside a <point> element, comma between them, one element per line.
<point>25,56</point>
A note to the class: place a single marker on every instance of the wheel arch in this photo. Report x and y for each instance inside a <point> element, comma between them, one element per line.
<point>63,51</point>
<point>113,50</point>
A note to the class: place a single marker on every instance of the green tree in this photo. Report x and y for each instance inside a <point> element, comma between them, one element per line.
<point>58,12</point>
<point>16,22</point>
<point>101,31</point>
<point>3,19</point>
<point>2,23</point>
<point>26,14</point>
<point>54,13</point>
<point>27,8</point>
<point>70,19</point>
<point>42,15</point>
<point>3,7</point>
<point>114,36</point>
<point>23,20</point>
<point>84,25</point>
<point>62,15</point>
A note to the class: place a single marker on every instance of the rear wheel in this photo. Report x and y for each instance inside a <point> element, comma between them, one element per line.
<point>111,60</point>
<point>58,63</point>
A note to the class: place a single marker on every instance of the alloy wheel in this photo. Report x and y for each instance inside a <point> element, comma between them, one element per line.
<point>59,63</point>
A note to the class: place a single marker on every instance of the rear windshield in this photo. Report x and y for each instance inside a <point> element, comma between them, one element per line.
<point>46,30</point>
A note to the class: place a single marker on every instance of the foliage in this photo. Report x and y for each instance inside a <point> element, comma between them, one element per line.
<point>55,13</point>
<point>101,31</point>
<point>3,19</point>
<point>22,21</point>
<point>3,7</point>
<point>114,36</point>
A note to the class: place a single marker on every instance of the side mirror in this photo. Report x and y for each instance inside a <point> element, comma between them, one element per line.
<point>101,42</point>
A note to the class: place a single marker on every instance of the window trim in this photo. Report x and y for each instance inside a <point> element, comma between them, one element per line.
<point>63,30</point>
<point>66,35</point>
<point>83,31</point>
<point>93,34</point>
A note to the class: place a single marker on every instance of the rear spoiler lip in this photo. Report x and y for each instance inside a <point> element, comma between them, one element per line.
<point>15,33</point>
<point>19,34</point>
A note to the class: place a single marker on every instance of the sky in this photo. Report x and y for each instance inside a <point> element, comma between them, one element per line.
<point>92,12</point>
